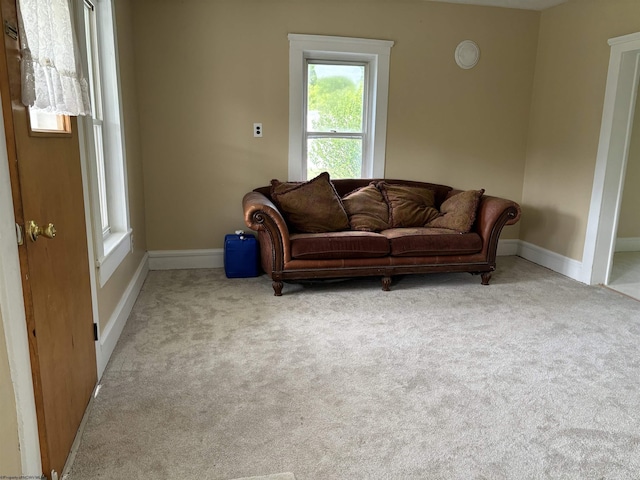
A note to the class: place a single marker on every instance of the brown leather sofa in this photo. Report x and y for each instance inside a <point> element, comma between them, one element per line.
<point>289,256</point>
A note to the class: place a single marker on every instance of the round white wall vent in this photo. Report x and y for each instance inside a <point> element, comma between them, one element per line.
<point>467,54</point>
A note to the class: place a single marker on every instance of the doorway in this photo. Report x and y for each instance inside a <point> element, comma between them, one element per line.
<point>612,160</point>
<point>45,174</point>
<point>625,272</point>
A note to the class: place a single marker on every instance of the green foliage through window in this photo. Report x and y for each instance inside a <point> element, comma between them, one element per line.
<point>335,101</point>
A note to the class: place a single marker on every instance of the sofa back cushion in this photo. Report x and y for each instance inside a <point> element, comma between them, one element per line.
<point>409,206</point>
<point>367,210</point>
<point>458,212</point>
<point>345,186</point>
<point>311,207</point>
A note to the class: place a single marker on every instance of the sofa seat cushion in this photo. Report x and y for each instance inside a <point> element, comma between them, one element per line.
<point>347,244</point>
<point>420,242</point>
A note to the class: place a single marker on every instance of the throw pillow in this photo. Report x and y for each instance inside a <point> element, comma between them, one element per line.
<point>458,211</point>
<point>367,209</point>
<point>409,206</point>
<point>313,206</point>
<point>278,187</point>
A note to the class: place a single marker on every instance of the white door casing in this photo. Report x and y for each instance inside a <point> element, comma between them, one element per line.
<point>611,162</point>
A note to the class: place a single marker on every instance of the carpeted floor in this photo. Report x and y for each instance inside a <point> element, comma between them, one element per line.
<point>277,476</point>
<point>533,377</point>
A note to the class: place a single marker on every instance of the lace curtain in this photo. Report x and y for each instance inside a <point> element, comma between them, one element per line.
<point>52,78</point>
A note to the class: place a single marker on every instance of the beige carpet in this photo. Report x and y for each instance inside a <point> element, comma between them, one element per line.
<point>533,377</point>
<point>277,476</point>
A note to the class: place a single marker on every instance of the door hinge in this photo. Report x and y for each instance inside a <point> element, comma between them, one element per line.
<point>19,234</point>
<point>95,332</point>
<point>10,30</point>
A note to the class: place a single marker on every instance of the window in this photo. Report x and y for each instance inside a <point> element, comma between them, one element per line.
<point>44,123</point>
<point>335,132</point>
<point>103,138</point>
<point>93,64</point>
<point>338,91</point>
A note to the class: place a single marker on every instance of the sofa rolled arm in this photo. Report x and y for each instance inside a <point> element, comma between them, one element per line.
<point>493,214</point>
<point>261,215</point>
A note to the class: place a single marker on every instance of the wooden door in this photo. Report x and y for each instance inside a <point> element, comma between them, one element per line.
<point>46,180</point>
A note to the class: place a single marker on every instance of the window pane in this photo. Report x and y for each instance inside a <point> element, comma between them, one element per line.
<point>102,179</point>
<point>93,59</point>
<point>41,121</point>
<point>341,157</point>
<point>335,96</point>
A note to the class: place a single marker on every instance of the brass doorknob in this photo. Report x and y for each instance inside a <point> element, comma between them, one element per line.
<point>34,230</point>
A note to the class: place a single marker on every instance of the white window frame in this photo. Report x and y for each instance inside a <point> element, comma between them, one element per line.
<point>111,245</point>
<point>375,53</point>
<point>95,85</point>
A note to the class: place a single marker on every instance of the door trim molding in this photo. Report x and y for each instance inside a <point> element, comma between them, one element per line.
<point>611,161</point>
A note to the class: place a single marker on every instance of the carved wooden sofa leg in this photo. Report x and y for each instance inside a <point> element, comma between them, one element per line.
<point>277,288</point>
<point>386,284</point>
<point>486,276</point>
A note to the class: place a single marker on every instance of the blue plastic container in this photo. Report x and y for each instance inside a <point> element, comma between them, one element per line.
<point>241,255</point>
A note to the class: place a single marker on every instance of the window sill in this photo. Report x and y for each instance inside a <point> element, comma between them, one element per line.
<point>116,247</point>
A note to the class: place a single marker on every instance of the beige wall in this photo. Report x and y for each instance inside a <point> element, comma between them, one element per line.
<point>9,446</point>
<point>566,113</point>
<point>629,221</point>
<point>111,293</point>
<point>206,70</point>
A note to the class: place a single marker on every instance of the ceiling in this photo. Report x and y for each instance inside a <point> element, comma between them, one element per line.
<point>523,4</point>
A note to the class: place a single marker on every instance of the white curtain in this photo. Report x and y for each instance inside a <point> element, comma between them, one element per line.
<point>52,78</point>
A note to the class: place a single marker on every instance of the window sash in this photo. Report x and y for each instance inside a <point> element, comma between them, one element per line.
<point>101,171</point>
<point>102,135</point>
<point>334,135</point>
<point>341,156</point>
<point>365,92</point>
<point>358,135</point>
<point>93,59</point>
<point>95,90</point>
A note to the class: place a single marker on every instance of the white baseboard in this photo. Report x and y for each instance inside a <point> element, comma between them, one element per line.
<point>111,332</point>
<point>214,258</point>
<point>507,247</point>
<point>551,260</point>
<point>185,259</point>
<point>629,244</point>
